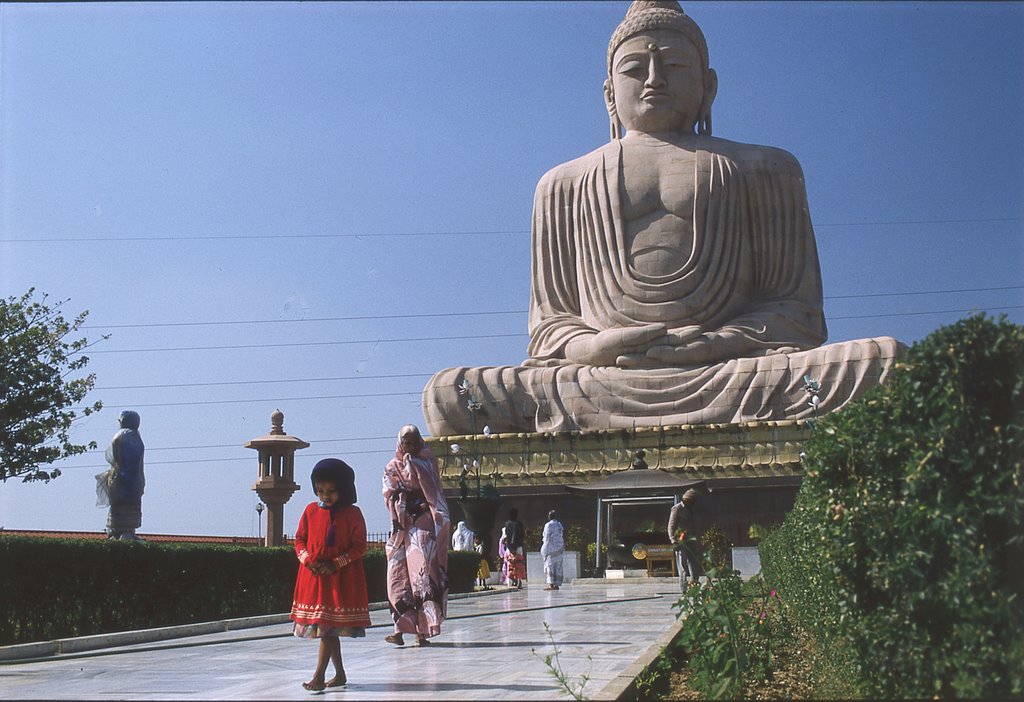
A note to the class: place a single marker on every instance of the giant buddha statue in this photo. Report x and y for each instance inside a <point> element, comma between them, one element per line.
<point>675,273</point>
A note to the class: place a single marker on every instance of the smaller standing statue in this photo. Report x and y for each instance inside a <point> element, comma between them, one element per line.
<point>122,486</point>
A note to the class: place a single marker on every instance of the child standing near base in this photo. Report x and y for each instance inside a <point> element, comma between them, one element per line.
<point>330,589</point>
<point>483,572</point>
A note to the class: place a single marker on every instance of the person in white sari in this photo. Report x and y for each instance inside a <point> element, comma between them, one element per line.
<point>462,539</point>
<point>552,550</point>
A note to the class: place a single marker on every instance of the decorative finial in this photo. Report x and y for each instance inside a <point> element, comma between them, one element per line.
<point>277,423</point>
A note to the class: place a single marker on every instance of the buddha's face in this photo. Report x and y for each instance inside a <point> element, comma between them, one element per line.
<point>658,82</point>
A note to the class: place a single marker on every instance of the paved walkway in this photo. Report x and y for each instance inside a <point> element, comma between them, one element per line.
<point>491,647</point>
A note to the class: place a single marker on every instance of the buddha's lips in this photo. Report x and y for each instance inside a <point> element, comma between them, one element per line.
<point>654,96</point>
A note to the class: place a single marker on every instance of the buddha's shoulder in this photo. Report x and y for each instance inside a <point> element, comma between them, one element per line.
<point>571,170</point>
<point>752,156</point>
<point>744,157</point>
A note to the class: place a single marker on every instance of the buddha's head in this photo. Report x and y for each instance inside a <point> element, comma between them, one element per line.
<point>659,80</point>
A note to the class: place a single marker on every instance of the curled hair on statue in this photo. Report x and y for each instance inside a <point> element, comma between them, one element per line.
<point>336,471</point>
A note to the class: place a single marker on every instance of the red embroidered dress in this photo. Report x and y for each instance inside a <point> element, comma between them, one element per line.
<point>335,604</point>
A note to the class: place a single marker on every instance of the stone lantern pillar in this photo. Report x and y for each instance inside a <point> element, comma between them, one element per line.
<point>277,474</point>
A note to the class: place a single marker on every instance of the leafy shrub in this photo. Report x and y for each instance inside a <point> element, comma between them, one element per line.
<point>718,549</point>
<point>577,537</point>
<point>462,568</point>
<point>906,538</point>
<point>59,588</point>
<point>730,633</point>
<point>533,538</point>
<point>56,588</point>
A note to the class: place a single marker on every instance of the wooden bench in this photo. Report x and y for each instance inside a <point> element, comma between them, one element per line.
<point>661,554</point>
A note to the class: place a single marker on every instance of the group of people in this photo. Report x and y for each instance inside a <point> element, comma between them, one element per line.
<point>511,551</point>
<point>331,599</point>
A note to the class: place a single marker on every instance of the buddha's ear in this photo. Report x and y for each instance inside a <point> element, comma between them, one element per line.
<point>613,115</point>
<point>711,88</point>
<point>710,92</point>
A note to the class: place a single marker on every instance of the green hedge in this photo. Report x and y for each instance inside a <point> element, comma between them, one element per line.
<point>59,588</point>
<point>904,552</point>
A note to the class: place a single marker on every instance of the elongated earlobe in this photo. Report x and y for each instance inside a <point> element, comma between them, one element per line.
<point>613,116</point>
<point>710,92</point>
<point>704,123</point>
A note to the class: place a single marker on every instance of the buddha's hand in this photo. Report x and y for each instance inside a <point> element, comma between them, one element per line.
<point>609,347</point>
<point>707,347</point>
<point>660,349</point>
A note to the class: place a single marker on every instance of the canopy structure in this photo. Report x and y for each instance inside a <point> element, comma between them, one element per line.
<point>629,487</point>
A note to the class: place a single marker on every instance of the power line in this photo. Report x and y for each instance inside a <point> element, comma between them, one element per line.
<point>259,237</point>
<point>226,460</point>
<point>311,319</point>
<point>393,376</point>
<point>488,313</point>
<point>990,220</point>
<point>150,449</point>
<point>272,399</point>
<point>264,382</point>
<point>926,292</point>
<point>485,336</point>
<point>914,314</point>
<point>380,235</point>
<point>310,343</point>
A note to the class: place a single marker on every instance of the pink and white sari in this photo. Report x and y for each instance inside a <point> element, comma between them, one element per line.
<point>417,550</point>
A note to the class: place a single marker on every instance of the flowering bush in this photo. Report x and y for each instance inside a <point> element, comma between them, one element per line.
<point>729,634</point>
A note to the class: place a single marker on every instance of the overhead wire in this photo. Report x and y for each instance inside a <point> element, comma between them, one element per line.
<point>346,342</point>
<point>503,232</point>
<point>487,313</point>
<point>412,375</point>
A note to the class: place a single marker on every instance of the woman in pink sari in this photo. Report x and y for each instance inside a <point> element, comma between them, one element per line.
<point>417,549</point>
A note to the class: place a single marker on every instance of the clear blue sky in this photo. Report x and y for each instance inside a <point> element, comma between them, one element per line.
<point>315,206</point>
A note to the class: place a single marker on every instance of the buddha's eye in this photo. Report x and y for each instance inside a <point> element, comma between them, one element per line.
<point>673,60</point>
<point>630,66</point>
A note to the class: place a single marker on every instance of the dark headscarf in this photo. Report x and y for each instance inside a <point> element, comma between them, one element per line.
<point>341,474</point>
<point>344,478</point>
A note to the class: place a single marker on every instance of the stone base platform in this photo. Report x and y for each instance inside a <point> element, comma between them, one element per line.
<point>753,471</point>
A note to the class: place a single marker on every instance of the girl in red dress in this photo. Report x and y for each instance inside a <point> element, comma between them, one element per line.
<point>330,590</point>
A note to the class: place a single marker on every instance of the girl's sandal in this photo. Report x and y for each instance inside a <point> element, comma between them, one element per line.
<point>395,639</point>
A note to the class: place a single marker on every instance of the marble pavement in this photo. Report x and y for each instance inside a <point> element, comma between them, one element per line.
<point>491,648</point>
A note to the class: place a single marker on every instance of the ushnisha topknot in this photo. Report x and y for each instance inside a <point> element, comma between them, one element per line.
<point>645,15</point>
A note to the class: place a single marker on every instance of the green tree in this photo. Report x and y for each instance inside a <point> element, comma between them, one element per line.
<point>39,381</point>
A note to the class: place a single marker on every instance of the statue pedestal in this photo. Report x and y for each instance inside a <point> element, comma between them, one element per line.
<point>753,470</point>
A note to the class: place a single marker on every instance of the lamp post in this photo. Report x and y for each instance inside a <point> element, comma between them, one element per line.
<point>276,481</point>
<point>259,521</point>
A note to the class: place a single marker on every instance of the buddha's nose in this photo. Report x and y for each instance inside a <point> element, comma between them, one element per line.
<point>654,72</point>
